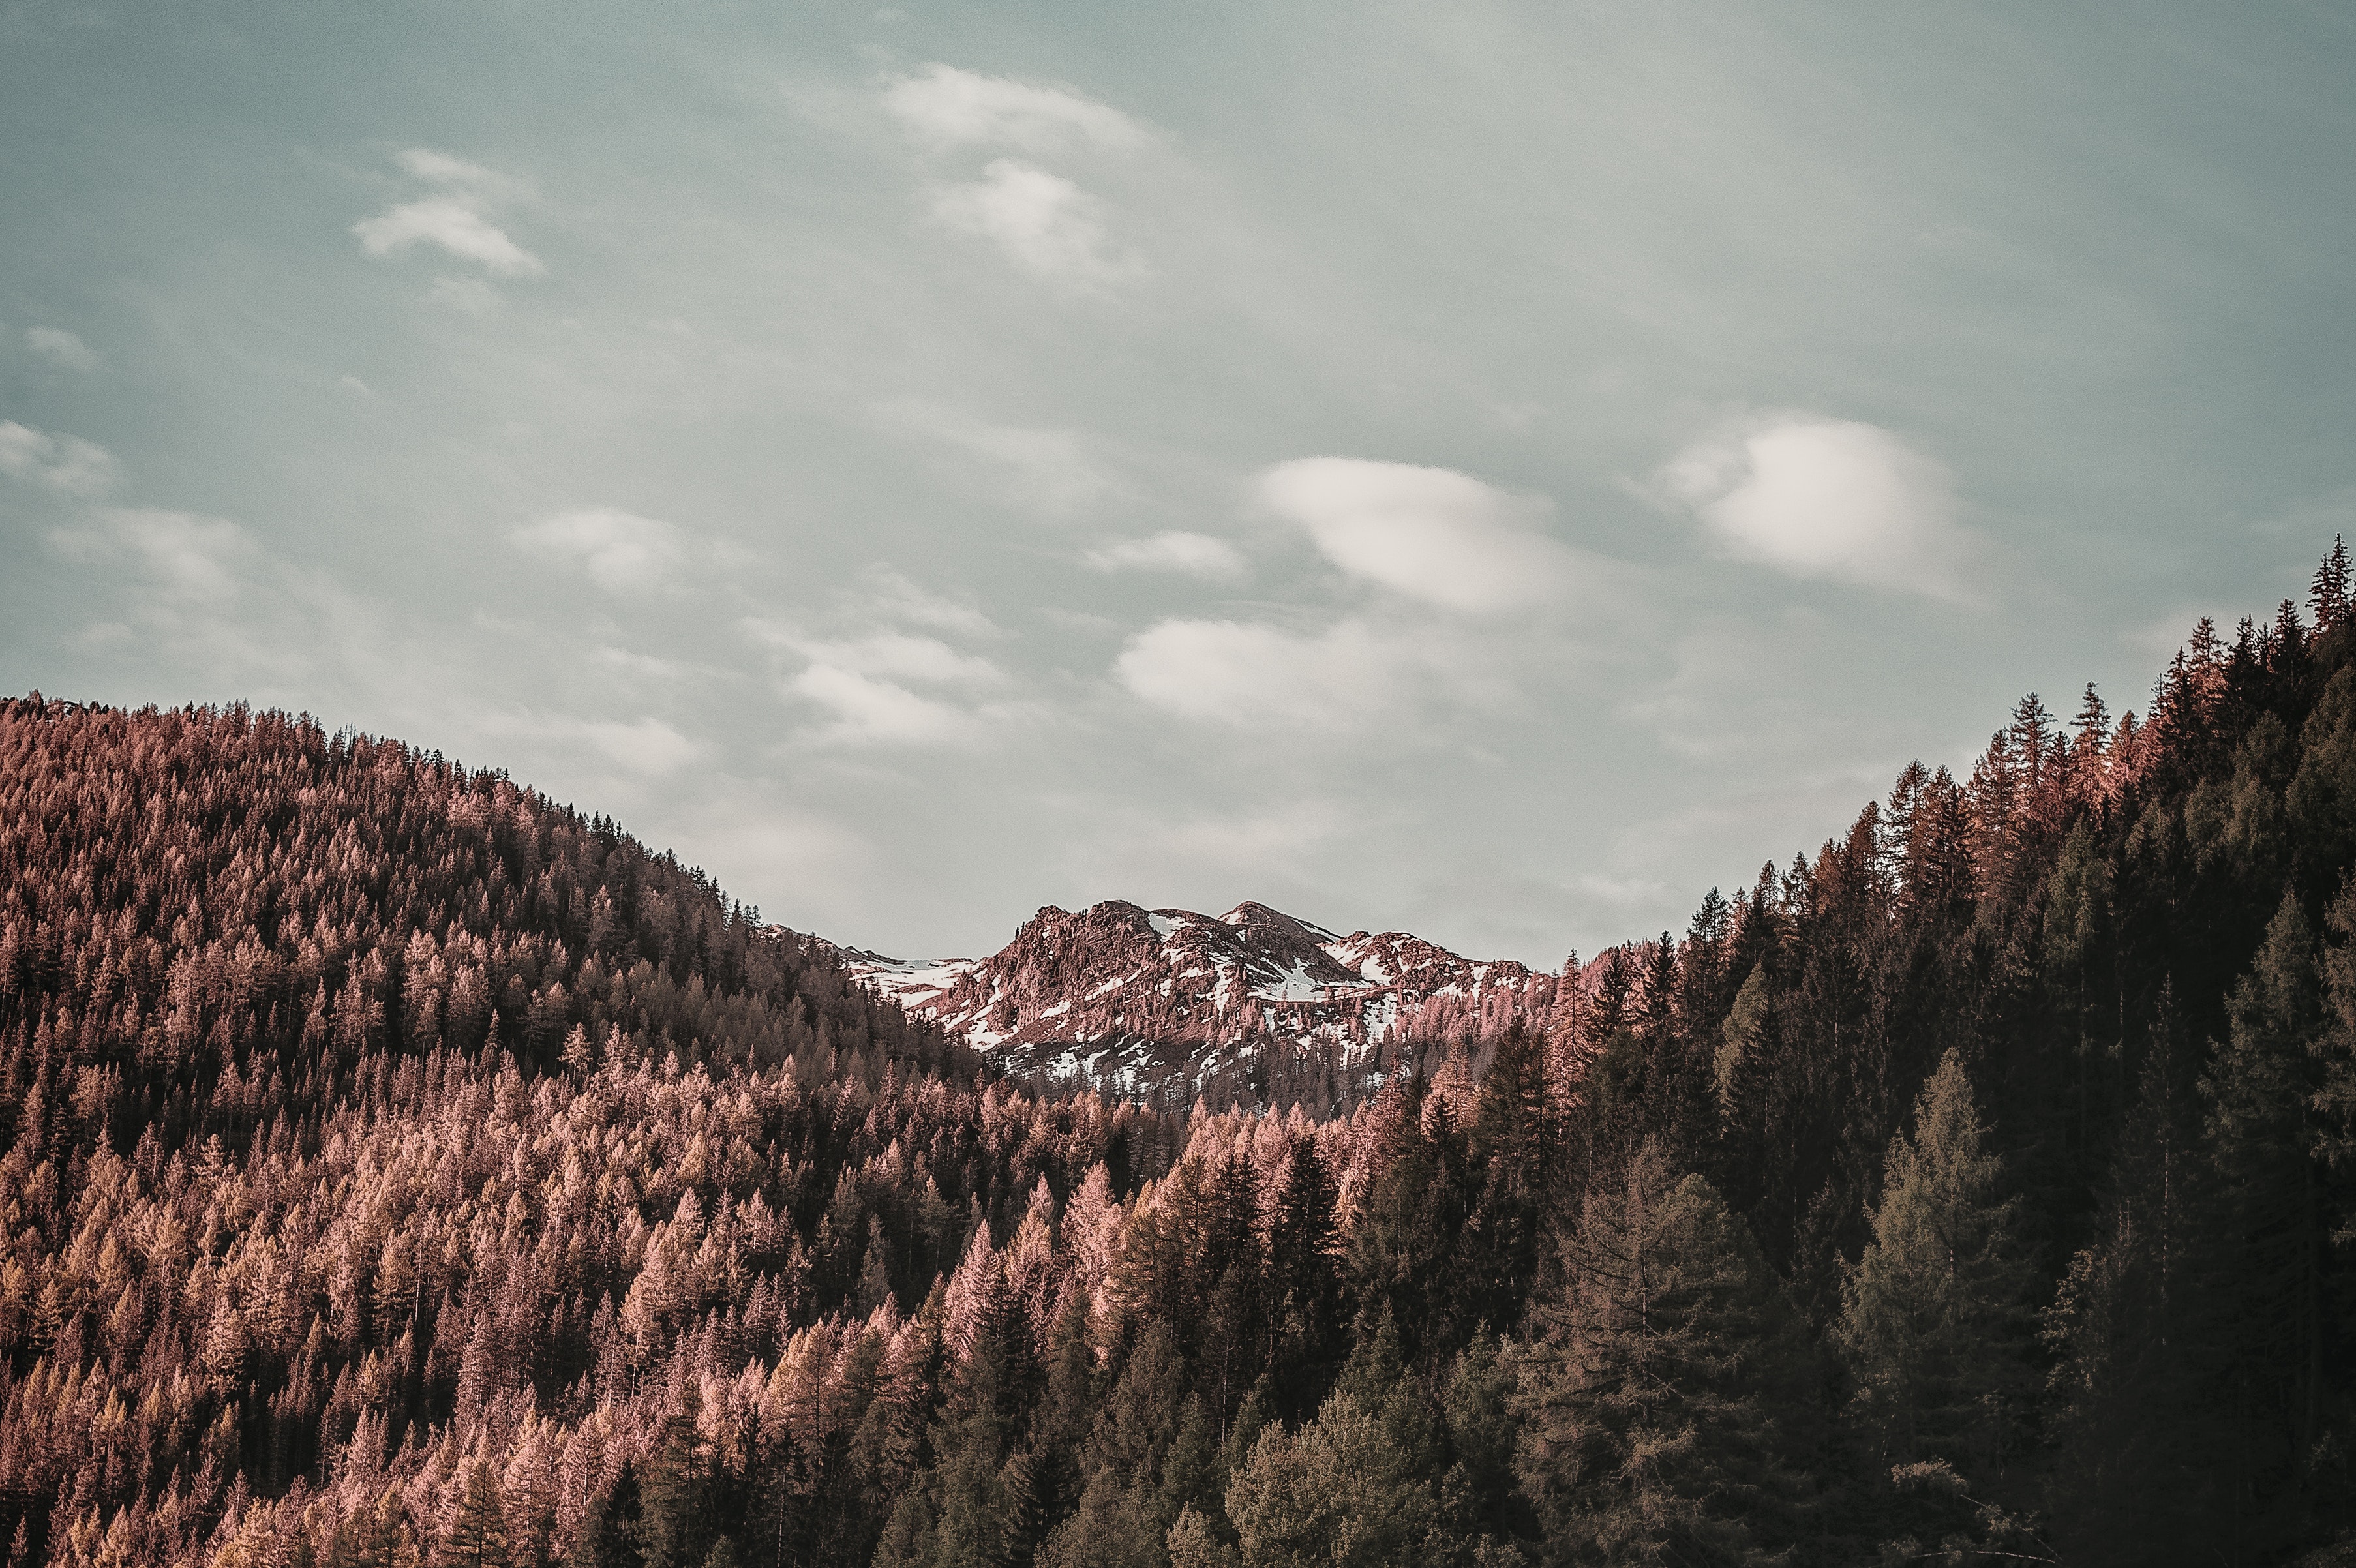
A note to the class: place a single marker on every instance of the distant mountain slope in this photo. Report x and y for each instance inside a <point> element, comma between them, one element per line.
<point>1127,996</point>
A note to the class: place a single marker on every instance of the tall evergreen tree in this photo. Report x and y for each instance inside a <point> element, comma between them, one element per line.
<point>1666,1391</point>
<point>2265,1242</point>
<point>1935,1315</point>
<point>476,1533</point>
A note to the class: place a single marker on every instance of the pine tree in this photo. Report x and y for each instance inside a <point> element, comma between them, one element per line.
<point>2133,1478</point>
<point>476,1533</point>
<point>675,1529</point>
<point>1934,1315</point>
<point>1661,1390</point>
<point>2328,598</point>
<point>612,1533</point>
<point>2265,1232</point>
<point>1341,1491</point>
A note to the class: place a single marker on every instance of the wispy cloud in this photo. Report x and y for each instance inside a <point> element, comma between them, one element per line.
<point>866,710</point>
<point>185,559</point>
<point>453,224</point>
<point>1041,220</point>
<point>883,594</point>
<point>1187,554</point>
<point>891,655</point>
<point>1046,470</point>
<point>1823,498</point>
<point>874,683</point>
<point>455,218</point>
<point>1429,534</point>
<point>1045,223</point>
<point>620,551</point>
<point>944,107</point>
<point>1241,675</point>
<point>61,348</point>
<point>647,744</point>
<point>67,465</point>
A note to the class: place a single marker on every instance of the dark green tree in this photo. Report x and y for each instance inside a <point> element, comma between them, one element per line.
<point>1936,1317</point>
<point>1665,1391</point>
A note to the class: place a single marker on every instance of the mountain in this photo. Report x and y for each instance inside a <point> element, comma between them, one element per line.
<point>397,1165</point>
<point>1254,1003</point>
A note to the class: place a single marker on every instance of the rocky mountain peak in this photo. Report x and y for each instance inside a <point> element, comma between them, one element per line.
<point>1129,996</point>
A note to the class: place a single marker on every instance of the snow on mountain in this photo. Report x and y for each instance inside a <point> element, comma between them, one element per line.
<point>1133,998</point>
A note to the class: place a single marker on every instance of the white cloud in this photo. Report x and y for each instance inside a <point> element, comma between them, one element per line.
<point>1232,672</point>
<point>189,559</point>
<point>891,655</point>
<point>441,168</point>
<point>619,550</point>
<point>865,676</point>
<point>61,348</point>
<point>646,745</point>
<point>472,296</point>
<point>884,594</point>
<point>1045,223</point>
<point>1427,534</point>
<point>455,219</point>
<point>1825,497</point>
<point>1048,470</point>
<point>64,464</point>
<point>867,711</point>
<point>943,107</point>
<point>1190,554</point>
<point>452,223</point>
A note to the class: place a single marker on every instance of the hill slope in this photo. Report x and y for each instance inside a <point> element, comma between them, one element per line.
<point>400,1168</point>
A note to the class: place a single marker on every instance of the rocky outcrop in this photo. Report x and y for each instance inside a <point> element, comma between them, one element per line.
<point>1254,999</point>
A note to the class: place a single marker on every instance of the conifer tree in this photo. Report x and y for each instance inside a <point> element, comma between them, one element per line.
<point>2133,1477</point>
<point>2264,1230</point>
<point>476,1533</point>
<point>1341,1490</point>
<point>1663,1392</point>
<point>1935,1313</point>
<point>675,1528</point>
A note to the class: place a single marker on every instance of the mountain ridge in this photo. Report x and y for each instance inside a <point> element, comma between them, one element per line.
<point>1131,998</point>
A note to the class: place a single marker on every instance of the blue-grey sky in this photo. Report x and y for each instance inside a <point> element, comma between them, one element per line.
<point>1496,471</point>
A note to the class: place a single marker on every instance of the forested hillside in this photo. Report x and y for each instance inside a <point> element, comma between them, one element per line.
<point>400,1168</point>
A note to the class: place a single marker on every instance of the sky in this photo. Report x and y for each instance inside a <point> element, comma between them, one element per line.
<point>1492,471</point>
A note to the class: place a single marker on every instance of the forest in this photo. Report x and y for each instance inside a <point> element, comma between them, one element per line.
<point>402,1169</point>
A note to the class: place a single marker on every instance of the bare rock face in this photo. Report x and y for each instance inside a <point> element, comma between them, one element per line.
<point>1131,998</point>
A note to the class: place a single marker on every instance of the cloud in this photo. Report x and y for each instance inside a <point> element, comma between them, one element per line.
<point>1231,672</point>
<point>64,464</point>
<point>1430,534</point>
<point>863,676</point>
<point>620,549</point>
<point>453,224</point>
<point>1832,498</point>
<point>190,560</point>
<point>1042,221</point>
<point>884,594</point>
<point>890,654</point>
<point>867,711</point>
<point>61,348</point>
<point>944,107</point>
<point>1048,470</point>
<point>1189,554</point>
<point>472,296</point>
<point>441,168</point>
<point>455,219</point>
<point>646,745</point>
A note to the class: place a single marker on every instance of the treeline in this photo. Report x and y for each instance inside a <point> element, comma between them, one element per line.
<point>401,1169</point>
